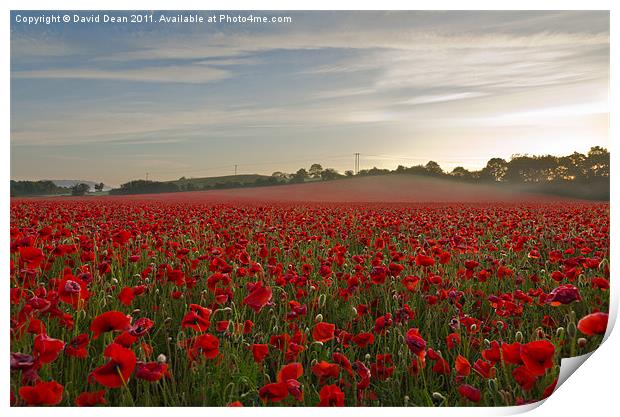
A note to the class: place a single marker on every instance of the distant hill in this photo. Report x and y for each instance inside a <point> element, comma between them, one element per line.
<point>71,183</point>
<point>228,180</point>
<point>371,189</point>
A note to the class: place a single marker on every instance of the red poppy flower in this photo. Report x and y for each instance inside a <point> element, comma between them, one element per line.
<point>550,388</point>
<point>441,367</point>
<point>77,346</point>
<point>592,324</point>
<point>493,353</point>
<point>415,342</point>
<point>125,339</point>
<point>324,370</point>
<point>524,377</point>
<point>109,321</point>
<point>564,294</point>
<point>323,332</point>
<point>235,404</point>
<point>600,283</point>
<point>410,282</point>
<point>222,325</point>
<point>140,327</point>
<point>343,361</point>
<point>511,353</point>
<point>259,352</point>
<point>118,369</point>
<point>462,366</point>
<point>72,290</point>
<point>423,260</point>
<point>538,356</point>
<point>291,371</point>
<point>258,297</point>
<point>274,392</point>
<point>469,392</point>
<point>452,340</point>
<point>206,345</point>
<point>42,393</point>
<point>484,369</point>
<point>331,396</point>
<point>151,371</point>
<point>198,318</point>
<point>91,399</point>
<point>363,339</point>
<point>46,349</point>
<point>31,256</point>
<point>127,294</point>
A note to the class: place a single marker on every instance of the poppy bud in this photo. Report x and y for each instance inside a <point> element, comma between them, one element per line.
<point>487,344</point>
<point>136,311</point>
<point>519,336</point>
<point>406,398</point>
<point>492,384</point>
<point>322,300</point>
<point>500,325</point>
<point>571,329</point>
<point>367,357</point>
<point>147,280</point>
<point>473,327</point>
<point>161,358</point>
<point>114,280</point>
<point>355,310</point>
<point>318,318</point>
<point>582,342</point>
<point>438,397</point>
<point>559,332</point>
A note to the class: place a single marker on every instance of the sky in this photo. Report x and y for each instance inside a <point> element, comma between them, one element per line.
<point>111,102</point>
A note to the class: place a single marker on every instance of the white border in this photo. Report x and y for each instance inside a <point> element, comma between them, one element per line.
<point>592,391</point>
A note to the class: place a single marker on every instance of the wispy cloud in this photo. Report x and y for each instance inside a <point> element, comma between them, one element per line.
<point>192,74</point>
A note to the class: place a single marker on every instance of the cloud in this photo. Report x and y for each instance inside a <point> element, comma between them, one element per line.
<point>192,74</point>
<point>443,98</point>
<point>27,47</point>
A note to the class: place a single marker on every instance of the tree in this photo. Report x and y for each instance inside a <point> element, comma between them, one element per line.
<point>280,176</point>
<point>462,173</point>
<point>495,170</point>
<point>433,168</point>
<point>330,174</point>
<point>598,162</point>
<point>80,189</point>
<point>99,187</point>
<point>300,176</point>
<point>145,187</point>
<point>348,173</point>
<point>315,170</point>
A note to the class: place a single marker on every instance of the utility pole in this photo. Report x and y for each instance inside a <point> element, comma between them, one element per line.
<point>235,170</point>
<point>147,176</point>
<point>357,163</point>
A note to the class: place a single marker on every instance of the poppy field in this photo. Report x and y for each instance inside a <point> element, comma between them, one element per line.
<point>133,301</point>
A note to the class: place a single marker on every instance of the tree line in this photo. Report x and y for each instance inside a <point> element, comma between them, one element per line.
<point>580,175</point>
<point>524,169</point>
<point>46,187</point>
